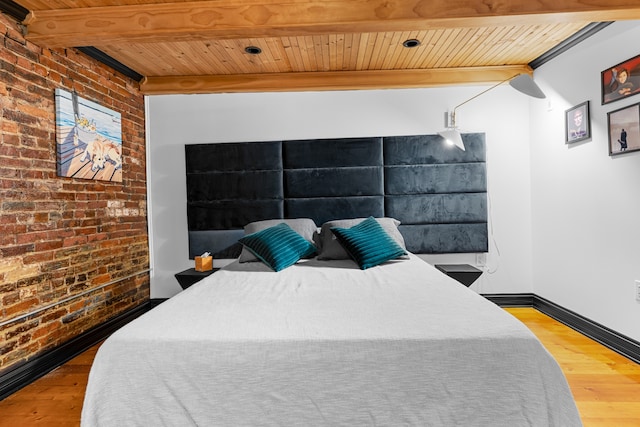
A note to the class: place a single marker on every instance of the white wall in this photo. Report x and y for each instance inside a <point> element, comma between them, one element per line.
<point>585,204</point>
<point>564,217</point>
<point>503,114</point>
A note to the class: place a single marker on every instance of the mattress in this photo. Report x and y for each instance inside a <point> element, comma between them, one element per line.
<point>323,343</point>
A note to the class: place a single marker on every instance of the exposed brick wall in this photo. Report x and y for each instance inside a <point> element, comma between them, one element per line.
<point>61,237</point>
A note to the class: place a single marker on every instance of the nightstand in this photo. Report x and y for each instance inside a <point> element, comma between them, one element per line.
<point>189,277</point>
<point>463,273</point>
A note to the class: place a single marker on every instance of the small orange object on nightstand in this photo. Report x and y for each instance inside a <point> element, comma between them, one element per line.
<point>204,263</point>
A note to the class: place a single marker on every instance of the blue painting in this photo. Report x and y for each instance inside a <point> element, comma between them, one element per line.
<point>89,139</point>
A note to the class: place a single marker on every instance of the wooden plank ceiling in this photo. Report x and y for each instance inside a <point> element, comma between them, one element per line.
<point>182,46</point>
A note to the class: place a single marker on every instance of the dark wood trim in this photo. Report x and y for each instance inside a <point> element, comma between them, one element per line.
<point>608,337</point>
<point>611,339</point>
<point>511,300</point>
<point>22,375</point>
<point>13,9</point>
<point>154,302</point>
<point>100,56</point>
<point>567,44</point>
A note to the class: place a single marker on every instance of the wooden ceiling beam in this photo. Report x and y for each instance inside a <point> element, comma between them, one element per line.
<point>91,26</point>
<point>334,80</point>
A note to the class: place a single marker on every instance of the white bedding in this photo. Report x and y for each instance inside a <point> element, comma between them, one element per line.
<point>323,343</point>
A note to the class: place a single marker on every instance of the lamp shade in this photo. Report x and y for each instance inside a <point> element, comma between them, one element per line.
<point>452,136</point>
<point>525,84</point>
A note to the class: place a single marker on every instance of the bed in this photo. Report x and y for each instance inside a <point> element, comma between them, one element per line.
<point>323,342</point>
<point>330,322</point>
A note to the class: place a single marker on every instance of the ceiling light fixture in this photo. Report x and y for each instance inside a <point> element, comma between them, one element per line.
<point>411,43</point>
<point>521,82</point>
<point>253,50</point>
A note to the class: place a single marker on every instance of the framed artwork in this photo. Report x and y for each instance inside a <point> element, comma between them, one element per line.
<point>88,139</point>
<point>624,130</point>
<point>621,80</point>
<point>577,123</point>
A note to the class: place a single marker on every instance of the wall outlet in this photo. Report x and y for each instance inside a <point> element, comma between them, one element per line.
<point>638,290</point>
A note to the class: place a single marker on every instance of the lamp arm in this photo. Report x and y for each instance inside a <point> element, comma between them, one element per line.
<point>453,114</point>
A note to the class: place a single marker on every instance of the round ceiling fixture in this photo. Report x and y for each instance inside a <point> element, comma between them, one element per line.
<point>253,50</point>
<point>411,43</point>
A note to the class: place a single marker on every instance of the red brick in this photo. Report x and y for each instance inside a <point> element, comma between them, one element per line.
<point>10,298</point>
<point>21,307</point>
<point>56,230</point>
<point>30,237</point>
<point>7,347</point>
<point>21,329</point>
<point>17,250</point>
<point>48,245</point>
<point>54,315</point>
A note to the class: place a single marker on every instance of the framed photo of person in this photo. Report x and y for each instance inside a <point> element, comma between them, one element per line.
<point>621,80</point>
<point>624,130</point>
<point>577,123</point>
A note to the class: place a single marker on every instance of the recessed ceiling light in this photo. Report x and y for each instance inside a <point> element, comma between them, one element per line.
<point>411,43</point>
<point>253,50</point>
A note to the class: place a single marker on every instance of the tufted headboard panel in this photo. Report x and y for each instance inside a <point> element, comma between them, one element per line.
<point>437,192</point>
<point>328,178</point>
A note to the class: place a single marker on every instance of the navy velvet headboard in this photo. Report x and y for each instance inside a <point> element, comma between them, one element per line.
<point>437,192</point>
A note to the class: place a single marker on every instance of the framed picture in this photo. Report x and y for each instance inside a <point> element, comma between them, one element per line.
<point>577,123</point>
<point>624,130</point>
<point>88,139</point>
<point>621,80</point>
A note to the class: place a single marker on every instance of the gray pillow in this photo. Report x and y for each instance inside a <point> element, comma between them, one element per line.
<point>330,248</point>
<point>305,227</point>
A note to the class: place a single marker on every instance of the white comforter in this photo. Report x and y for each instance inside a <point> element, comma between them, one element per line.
<point>326,344</point>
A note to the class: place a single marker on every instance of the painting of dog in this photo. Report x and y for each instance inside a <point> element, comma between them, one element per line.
<point>101,150</point>
<point>88,139</point>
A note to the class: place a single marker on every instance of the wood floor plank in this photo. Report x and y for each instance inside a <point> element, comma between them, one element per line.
<point>605,385</point>
<point>54,400</point>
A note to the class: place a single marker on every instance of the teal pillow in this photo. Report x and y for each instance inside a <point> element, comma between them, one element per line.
<point>278,247</point>
<point>368,244</point>
<point>303,226</point>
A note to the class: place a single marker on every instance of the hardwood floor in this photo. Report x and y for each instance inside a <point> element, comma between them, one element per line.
<point>54,400</point>
<point>606,386</point>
